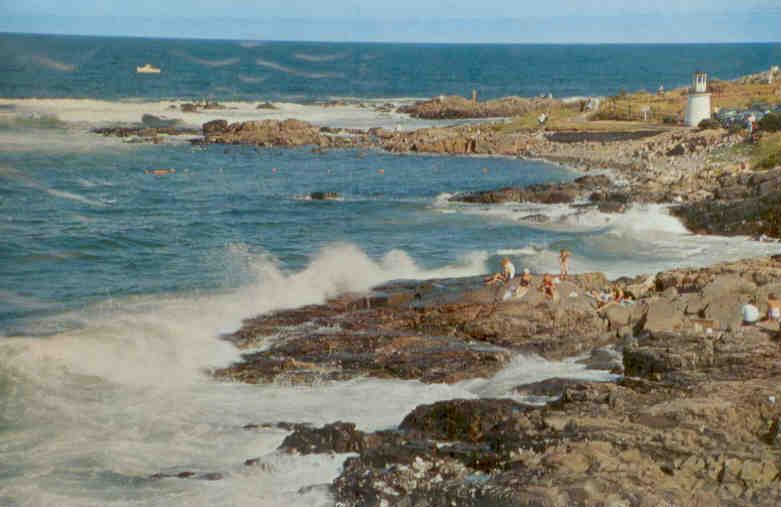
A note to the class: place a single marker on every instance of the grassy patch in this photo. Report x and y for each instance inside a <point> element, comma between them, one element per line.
<point>767,153</point>
<point>556,116</point>
<point>672,104</point>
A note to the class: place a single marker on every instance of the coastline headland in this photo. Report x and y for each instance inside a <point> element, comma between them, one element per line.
<point>689,414</point>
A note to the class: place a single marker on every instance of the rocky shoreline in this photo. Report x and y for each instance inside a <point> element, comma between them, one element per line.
<point>694,417</point>
<point>699,173</point>
<point>703,175</point>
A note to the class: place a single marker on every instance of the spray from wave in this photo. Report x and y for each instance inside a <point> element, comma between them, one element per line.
<point>645,239</point>
<point>100,408</point>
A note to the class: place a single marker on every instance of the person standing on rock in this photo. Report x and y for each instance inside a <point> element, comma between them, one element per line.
<point>564,256</point>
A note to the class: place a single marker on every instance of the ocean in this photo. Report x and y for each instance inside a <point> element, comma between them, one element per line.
<point>104,68</point>
<point>115,284</point>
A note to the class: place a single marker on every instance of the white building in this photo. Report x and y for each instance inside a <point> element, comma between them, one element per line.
<point>698,108</point>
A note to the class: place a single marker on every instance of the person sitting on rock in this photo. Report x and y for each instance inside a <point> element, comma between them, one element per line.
<point>614,297</point>
<point>526,278</point>
<point>564,263</point>
<point>507,274</point>
<point>773,308</point>
<point>750,313</point>
<point>521,287</point>
<point>548,287</point>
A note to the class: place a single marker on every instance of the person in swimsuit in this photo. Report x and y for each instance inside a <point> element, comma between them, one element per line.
<point>564,263</point>
<point>507,274</point>
<point>526,278</point>
<point>548,287</point>
<point>773,308</point>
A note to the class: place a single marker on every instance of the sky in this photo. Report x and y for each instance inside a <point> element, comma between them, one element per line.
<point>467,21</point>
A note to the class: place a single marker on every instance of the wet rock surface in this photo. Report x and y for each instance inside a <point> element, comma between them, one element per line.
<point>556,193</point>
<point>145,133</point>
<point>749,204</point>
<point>694,421</point>
<point>433,331</point>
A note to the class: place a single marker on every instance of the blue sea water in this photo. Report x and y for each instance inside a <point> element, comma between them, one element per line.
<point>80,227</point>
<point>104,68</point>
<point>115,283</point>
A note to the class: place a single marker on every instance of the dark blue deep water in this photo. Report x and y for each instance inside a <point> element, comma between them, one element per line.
<point>101,67</point>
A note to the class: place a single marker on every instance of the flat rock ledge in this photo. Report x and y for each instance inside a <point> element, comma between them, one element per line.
<point>433,331</point>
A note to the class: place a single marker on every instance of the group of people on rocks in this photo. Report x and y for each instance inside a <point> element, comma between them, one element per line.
<point>751,313</point>
<point>520,286</point>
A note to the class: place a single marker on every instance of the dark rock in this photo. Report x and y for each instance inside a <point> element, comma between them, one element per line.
<point>324,196</point>
<point>153,121</point>
<point>560,193</point>
<point>599,137</point>
<point>752,216</point>
<point>461,420</point>
<point>214,127</point>
<point>677,151</point>
<point>339,437</point>
<point>552,387</point>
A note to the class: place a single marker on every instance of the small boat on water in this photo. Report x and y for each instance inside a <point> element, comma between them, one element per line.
<point>148,69</point>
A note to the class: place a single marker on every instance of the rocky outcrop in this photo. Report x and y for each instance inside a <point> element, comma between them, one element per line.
<point>639,442</point>
<point>746,204</point>
<point>264,133</point>
<point>696,420</point>
<point>443,331</point>
<point>287,133</point>
<point>453,106</point>
<point>324,196</point>
<point>145,133</point>
<point>190,107</point>
<point>550,193</point>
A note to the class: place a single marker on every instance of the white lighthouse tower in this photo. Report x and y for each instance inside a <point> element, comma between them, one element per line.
<point>698,107</point>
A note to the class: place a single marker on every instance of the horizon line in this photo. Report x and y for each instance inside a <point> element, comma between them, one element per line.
<point>332,41</point>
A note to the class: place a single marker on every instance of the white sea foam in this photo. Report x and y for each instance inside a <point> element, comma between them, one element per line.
<point>88,113</point>
<point>93,411</point>
<point>524,370</point>
<point>645,239</point>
